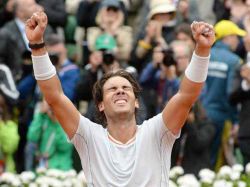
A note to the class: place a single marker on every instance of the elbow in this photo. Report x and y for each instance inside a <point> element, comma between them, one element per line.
<point>53,99</point>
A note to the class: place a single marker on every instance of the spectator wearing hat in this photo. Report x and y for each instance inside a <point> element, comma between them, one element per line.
<point>161,21</point>
<point>159,31</point>
<point>219,82</point>
<point>110,19</point>
<point>9,137</point>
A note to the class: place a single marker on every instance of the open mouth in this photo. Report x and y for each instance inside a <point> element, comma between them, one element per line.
<point>120,101</point>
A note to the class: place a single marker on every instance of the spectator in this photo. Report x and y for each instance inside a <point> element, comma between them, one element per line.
<point>26,105</point>
<point>9,54</point>
<point>187,11</point>
<point>46,136</point>
<point>68,72</point>
<point>110,20</point>
<point>241,95</point>
<point>220,79</point>
<point>182,55</point>
<point>56,11</point>
<point>14,33</point>
<point>69,75</point>
<point>192,150</point>
<point>9,137</point>
<point>159,78</point>
<point>6,11</point>
<point>206,11</point>
<point>221,9</point>
<point>184,33</point>
<point>160,29</point>
<point>108,16</point>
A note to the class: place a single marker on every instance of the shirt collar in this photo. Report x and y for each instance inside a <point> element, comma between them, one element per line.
<point>20,24</point>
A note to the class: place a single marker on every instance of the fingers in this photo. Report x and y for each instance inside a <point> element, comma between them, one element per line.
<point>37,19</point>
<point>41,19</point>
<point>201,28</point>
<point>31,24</point>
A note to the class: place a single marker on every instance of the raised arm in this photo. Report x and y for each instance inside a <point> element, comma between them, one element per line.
<point>177,109</point>
<point>45,74</point>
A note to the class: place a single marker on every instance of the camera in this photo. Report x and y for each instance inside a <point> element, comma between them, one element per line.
<point>108,57</point>
<point>168,59</point>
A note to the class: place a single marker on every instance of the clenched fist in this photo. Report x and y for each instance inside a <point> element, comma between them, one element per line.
<point>35,27</point>
<point>203,34</point>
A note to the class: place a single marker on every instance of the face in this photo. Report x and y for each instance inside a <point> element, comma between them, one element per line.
<point>163,18</point>
<point>58,49</point>
<point>118,98</point>
<point>27,7</point>
<point>112,13</point>
<point>232,41</point>
<point>95,58</point>
<point>158,55</point>
<point>182,57</point>
<point>184,37</point>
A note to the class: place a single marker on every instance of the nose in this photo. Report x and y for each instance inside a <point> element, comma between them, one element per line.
<point>120,91</point>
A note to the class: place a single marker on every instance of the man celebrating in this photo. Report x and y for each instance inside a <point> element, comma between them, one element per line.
<point>121,153</point>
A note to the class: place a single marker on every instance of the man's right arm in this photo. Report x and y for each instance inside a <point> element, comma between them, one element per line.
<point>46,77</point>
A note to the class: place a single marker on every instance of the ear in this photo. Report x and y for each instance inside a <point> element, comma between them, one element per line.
<point>101,107</point>
<point>137,104</point>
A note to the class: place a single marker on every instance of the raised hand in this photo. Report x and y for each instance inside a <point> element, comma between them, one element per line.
<point>203,34</point>
<point>35,27</point>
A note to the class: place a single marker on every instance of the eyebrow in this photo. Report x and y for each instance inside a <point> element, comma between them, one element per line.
<point>112,86</point>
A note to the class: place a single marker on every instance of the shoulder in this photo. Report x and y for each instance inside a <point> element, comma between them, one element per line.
<point>154,120</point>
<point>87,125</point>
<point>69,67</point>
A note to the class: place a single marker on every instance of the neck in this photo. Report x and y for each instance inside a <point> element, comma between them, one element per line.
<point>122,131</point>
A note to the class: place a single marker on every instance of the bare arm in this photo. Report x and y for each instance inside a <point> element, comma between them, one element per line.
<point>64,110</point>
<point>177,109</point>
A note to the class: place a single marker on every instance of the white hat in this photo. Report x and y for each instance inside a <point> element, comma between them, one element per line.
<point>161,6</point>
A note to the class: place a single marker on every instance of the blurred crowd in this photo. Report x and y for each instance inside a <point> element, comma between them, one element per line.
<point>152,40</point>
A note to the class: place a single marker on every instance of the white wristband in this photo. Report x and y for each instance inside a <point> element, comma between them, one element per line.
<point>43,68</point>
<point>197,68</point>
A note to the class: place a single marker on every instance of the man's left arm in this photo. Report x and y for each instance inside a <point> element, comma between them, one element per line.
<point>177,109</point>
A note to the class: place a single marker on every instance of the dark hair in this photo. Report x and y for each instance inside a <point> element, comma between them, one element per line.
<point>98,91</point>
<point>184,28</point>
<point>53,39</point>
